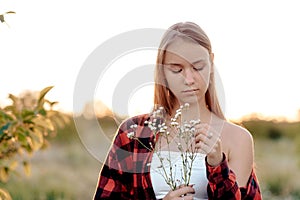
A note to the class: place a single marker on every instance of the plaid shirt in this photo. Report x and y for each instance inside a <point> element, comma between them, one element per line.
<point>126,172</point>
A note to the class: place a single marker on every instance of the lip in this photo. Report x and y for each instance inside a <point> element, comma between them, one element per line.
<point>190,91</point>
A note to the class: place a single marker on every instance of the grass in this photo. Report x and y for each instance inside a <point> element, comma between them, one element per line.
<point>65,170</point>
<point>69,168</point>
<point>277,157</point>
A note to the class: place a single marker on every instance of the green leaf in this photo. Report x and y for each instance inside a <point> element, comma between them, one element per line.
<point>4,115</point>
<point>10,12</point>
<point>4,128</point>
<point>2,18</point>
<point>43,92</point>
<point>51,103</point>
<point>13,98</point>
<point>27,114</point>
<point>22,138</point>
<point>2,15</point>
<point>10,108</point>
<point>43,112</point>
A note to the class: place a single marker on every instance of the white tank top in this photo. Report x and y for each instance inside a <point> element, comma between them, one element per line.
<point>198,177</point>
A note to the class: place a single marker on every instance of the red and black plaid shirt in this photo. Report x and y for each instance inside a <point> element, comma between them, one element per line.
<point>126,172</point>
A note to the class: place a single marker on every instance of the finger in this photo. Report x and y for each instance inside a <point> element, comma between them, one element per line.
<point>185,198</point>
<point>202,125</point>
<point>199,137</point>
<point>202,147</point>
<point>201,128</point>
<point>203,136</point>
<point>212,147</point>
<point>207,131</point>
<point>180,186</point>
<point>209,134</point>
<point>183,190</point>
<point>206,146</point>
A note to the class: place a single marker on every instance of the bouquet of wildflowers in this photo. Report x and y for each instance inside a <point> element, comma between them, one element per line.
<point>184,132</point>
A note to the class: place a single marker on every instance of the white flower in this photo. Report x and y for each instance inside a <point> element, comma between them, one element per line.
<point>162,130</point>
<point>177,115</point>
<point>184,131</point>
<point>133,126</point>
<point>179,146</point>
<point>130,135</point>
<point>174,123</point>
<point>186,105</point>
<point>186,125</point>
<point>193,130</point>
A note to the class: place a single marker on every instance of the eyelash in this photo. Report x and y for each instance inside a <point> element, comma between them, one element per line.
<point>198,69</point>
<point>176,72</point>
<point>180,70</point>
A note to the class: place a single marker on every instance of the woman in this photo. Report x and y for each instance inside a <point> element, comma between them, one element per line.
<point>184,74</point>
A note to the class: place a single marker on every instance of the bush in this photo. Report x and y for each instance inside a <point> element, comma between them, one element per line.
<point>274,133</point>
<point>25,126</point>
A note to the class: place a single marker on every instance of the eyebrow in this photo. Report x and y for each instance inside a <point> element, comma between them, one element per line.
<point>193,63</point>
<point>200,60</point>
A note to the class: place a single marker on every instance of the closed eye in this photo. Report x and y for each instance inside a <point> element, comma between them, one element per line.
<point>198,68</point>
<point>176,71</point>
<point>174,68</point>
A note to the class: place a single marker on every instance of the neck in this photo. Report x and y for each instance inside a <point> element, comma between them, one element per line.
<point>196,111</point>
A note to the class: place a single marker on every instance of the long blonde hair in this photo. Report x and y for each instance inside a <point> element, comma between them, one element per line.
<point>163,96</point>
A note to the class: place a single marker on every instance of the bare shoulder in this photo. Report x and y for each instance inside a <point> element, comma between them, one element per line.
<point>237,143</point>
<point>236,139</point>
<point>235,132</point>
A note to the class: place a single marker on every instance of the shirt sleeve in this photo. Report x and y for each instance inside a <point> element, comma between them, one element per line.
<point>222,184</point>
<point>115,177</point>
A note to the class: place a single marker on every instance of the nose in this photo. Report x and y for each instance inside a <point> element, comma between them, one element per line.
<point>189,78</point>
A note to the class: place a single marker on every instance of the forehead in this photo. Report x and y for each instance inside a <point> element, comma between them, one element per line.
<point>185,49</point>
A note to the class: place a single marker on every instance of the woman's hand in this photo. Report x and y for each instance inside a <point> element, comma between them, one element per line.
<point>207,141</point>
<point>182,193</point>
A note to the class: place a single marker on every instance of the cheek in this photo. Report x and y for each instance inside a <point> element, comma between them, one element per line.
<point>174,81</point>
<point>204,78</point>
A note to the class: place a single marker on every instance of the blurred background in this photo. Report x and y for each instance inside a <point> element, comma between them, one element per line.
<point>45,43</point>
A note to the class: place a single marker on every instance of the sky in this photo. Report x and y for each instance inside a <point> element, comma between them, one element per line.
<point>256,46</point>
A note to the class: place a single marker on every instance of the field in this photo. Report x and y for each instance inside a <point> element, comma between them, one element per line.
<point>69,168</point>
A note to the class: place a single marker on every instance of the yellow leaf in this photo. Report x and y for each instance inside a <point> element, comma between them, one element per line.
<point>10,12</point>
<point>3,174</point>
<point>37,139</point>
<point>13,165</point>
<point>43,92</point>
<point>27,168</point>
<point>43,122</point>
<point>4,195</point>
<point>29,142</point>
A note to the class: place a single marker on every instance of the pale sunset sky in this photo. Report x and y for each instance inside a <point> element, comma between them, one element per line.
<point>256,46</point>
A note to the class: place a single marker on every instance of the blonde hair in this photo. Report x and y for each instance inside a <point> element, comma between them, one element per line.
<point>163,96</point>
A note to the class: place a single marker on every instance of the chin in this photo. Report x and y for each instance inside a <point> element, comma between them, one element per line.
<point>190,100</point>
